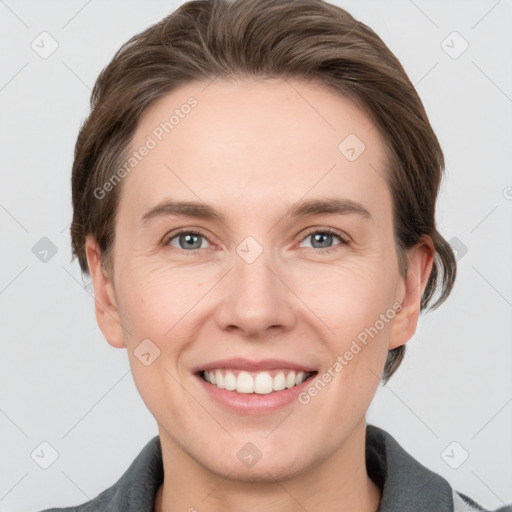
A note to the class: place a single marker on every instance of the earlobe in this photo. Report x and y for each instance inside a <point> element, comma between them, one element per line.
<point>107,314</point>
<point>420,263</point>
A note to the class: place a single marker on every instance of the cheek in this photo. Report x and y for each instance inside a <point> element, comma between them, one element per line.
<point>158,307</point>
<point>346,296</point>
<point>353,313</point>
<point>163,303</point>
<point>155,298</point>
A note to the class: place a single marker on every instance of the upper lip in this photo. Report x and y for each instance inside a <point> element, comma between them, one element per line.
<point>239,363</point>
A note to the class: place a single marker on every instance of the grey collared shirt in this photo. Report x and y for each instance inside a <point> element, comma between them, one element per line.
<point>406,485</point>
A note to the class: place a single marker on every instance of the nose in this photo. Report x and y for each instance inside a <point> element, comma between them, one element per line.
<point>255,299</point>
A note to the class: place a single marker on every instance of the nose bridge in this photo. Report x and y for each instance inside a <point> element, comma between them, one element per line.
<point>254,299</point>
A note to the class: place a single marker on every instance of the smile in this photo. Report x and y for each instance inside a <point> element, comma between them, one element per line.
<point>263,382</point>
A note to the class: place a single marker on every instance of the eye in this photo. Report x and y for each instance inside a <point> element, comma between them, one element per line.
<point>186,240</point>
<point>321,239</point>
<point>190,240</point>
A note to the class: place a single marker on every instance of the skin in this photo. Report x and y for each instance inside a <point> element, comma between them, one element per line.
<point>252,149</point>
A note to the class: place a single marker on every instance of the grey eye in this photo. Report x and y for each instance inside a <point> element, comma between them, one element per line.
<point>187,240</point>
<point>322,239</point>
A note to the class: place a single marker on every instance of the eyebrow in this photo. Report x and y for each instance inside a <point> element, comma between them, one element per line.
<point>305,208</point>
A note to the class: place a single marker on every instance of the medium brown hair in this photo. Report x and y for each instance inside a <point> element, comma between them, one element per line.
<point>309,40</point>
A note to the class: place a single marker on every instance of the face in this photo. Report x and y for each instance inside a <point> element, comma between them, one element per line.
<point>286,259</point>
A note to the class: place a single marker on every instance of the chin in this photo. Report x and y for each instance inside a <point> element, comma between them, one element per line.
<point>260,473</point>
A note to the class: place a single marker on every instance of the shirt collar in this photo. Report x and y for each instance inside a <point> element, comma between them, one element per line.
<point>405,483</point>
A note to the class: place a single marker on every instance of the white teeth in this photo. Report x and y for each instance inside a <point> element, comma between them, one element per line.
<point>299,378</point>
<point>262,383</point>
<point>290,380</point>
<point>279,381</point>
<point>229,381</point>
<point>219,379</point>
<point>244,383</point>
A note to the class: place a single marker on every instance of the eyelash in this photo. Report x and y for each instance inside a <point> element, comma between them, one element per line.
<point>324,231</point>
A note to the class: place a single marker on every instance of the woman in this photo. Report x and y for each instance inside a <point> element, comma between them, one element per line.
<point>254,198</point>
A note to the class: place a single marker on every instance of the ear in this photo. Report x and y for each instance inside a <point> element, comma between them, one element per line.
<point>420,262</point>
<point>107,314</point>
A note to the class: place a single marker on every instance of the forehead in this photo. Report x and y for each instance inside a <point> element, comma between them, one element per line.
<point>254,143</point>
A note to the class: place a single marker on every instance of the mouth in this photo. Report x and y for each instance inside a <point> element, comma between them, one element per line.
<point>255,382</point>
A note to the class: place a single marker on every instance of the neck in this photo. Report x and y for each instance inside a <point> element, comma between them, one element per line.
<point>338,483</point>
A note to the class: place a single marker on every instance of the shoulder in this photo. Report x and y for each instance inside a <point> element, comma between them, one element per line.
<point>134,491</point>
<point>406,484</point>
<point>463,503</point>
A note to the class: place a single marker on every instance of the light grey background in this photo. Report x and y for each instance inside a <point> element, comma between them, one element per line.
<point>60,380</point>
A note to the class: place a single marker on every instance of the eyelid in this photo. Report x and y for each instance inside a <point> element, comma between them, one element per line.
<point>173,234</point>
<point>344,238</point>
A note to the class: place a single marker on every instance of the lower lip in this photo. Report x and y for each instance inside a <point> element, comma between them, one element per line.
<point>254,403</point>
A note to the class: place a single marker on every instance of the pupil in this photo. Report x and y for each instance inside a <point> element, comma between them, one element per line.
<point>190,240</point>
<point>322,235</point>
